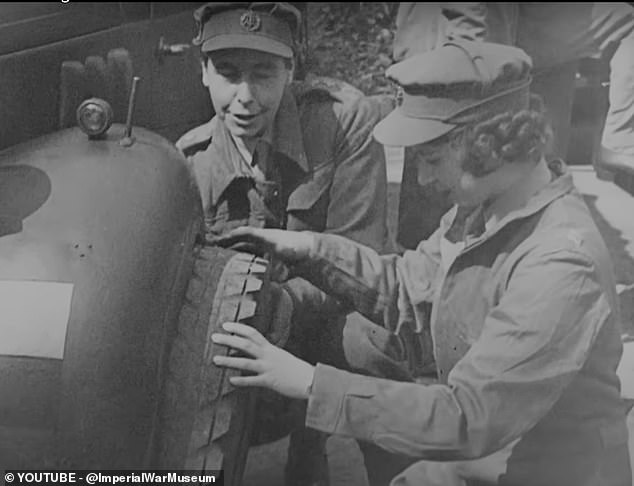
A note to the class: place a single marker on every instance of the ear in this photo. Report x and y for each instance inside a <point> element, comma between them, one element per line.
<point>204,65</point>
<point>291,71</point>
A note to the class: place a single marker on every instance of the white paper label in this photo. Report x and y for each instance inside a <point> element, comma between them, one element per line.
<point>34,317</point>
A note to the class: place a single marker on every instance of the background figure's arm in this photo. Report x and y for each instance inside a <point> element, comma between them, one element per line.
<point>420,27</point>
<point>423,26</point>
<point>465,20</point>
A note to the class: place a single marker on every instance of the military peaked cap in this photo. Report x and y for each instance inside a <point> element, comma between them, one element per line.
<point>262,26</point>
<point>460,83</point>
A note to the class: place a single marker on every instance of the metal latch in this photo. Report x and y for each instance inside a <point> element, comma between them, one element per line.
<point>165,49</point>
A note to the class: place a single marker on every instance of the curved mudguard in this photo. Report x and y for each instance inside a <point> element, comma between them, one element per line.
<point>96,249</point>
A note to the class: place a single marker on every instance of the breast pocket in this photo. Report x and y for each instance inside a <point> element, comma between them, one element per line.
<point>307,205</point>
<point>468,320</point>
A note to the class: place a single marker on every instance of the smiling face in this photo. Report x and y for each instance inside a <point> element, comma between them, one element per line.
<point>441,163</point>
<point>246,88</point>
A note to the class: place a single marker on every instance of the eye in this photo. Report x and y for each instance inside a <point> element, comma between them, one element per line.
<point>228,71</point>
<point>264,73</point>
<point>232,75</point>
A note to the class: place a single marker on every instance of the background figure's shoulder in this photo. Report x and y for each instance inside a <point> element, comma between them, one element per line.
<point>197,138</point>
<point>324,88</point>
<point>351,106</point>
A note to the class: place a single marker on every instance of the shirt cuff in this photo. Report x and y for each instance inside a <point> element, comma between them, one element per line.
<point>327,394</point>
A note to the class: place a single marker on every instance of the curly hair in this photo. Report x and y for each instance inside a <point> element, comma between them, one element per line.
<point>509,137</point>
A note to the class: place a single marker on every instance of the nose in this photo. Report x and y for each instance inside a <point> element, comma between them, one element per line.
<point>426,174</point>
<point>244,93</point>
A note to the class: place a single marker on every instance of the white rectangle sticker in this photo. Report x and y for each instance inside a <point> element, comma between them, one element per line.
<point>34,317</point>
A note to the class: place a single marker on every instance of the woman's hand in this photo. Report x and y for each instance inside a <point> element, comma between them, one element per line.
<point>271,366</point>
<point>289,246</point>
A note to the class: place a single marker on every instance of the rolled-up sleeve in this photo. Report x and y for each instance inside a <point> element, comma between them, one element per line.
<point>532,345</point>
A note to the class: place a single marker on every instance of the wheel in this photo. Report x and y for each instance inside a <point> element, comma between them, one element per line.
<point>205,422</point>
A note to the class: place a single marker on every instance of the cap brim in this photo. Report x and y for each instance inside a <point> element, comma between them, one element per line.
<point>403,131</point>
<point>249,41</point>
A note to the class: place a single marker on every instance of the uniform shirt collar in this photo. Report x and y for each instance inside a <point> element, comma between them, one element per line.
<point>285,138</point>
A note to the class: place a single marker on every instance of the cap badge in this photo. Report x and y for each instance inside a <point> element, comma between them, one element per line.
<point>250,21</point>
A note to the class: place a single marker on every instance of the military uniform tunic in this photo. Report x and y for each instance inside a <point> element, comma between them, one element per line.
<point>322,171</point>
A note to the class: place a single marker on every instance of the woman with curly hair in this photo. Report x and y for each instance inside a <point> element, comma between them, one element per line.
<point>512,298</point>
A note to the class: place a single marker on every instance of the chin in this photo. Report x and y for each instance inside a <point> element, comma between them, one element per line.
<point>243,132</point>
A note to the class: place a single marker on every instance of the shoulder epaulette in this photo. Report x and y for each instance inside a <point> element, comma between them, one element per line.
<point>197,138</point>
<point>324,86</point>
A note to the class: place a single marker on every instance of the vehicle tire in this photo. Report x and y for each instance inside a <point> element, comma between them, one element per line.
<point>206,422</point>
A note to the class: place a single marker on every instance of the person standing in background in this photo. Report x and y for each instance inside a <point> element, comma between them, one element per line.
<point>555,35</point>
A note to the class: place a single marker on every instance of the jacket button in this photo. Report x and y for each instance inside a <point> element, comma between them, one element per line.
<point>276,193</point>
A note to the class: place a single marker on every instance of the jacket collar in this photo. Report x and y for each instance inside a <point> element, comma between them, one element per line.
<point>560,185</point>
<point>286,139</point>
<point>517,196</point>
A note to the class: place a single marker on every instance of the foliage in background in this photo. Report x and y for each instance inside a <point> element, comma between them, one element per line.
<point>352,41</point>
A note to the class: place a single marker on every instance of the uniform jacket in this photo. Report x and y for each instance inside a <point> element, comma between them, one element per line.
<point>324,172</point>
<point>525,337</point>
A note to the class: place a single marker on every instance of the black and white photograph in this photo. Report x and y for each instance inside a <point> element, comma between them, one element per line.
<point>317,244</point>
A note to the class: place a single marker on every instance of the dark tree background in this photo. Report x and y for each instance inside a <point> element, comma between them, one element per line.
<point>351,41</point>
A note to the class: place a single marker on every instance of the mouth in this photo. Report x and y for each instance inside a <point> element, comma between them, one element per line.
<point>245,118</point>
